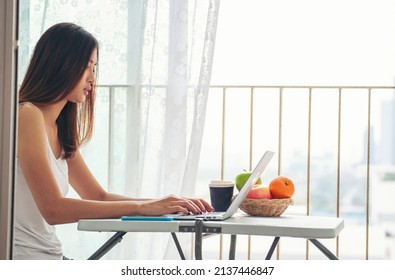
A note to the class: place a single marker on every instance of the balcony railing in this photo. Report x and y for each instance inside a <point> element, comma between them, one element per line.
<point>326,121</point>
<point>336,142</point>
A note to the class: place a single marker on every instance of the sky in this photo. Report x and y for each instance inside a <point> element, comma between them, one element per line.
<point>336,42</point>
<point>311,42</point>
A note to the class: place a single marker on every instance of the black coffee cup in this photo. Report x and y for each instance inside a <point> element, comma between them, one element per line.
<point>221,193</point>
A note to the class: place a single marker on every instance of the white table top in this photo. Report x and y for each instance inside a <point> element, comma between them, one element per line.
<point>284,226</point>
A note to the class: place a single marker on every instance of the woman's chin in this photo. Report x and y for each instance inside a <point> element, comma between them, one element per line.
<point>78,100</point>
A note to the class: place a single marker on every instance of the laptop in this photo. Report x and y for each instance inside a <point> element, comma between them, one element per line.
<point>220,216</point>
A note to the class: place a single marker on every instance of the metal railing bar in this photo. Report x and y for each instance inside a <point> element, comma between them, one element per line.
<point>251,124</point>
<point>339,118</point>
<point>280,124</point>
<point>261,86</point>
<point>223,132</point>
<point>368,174</point>
<point>222,156</point>
<point>111,123</point>
<point>302,87</point>
<point>308,152</point>
<point>308,162</point>
<point>250,156</point>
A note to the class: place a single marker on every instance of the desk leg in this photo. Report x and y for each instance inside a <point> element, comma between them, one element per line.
<point>179,249</point>
<point>232,249</point>
<point>271,250</point>
<point>116,238</point>
<point>323,249</point>
<point>198,239</point>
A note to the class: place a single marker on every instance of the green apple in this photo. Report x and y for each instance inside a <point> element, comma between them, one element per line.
<point>242,178</point>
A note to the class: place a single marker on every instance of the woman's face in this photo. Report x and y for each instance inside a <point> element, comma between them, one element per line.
<point>84,86</point>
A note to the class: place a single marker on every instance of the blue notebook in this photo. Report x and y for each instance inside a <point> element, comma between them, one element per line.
<point>147,218</point>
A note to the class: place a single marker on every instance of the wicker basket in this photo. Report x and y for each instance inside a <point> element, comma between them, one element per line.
<point>265,207</point>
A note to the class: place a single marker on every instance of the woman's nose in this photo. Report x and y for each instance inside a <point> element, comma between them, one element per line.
<point>91,77</point>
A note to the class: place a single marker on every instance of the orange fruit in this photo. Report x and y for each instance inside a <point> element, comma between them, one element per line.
<point>282,187</point>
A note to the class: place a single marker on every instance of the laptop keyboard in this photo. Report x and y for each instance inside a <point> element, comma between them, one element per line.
<point>190,214</point>
<point>203,215</point>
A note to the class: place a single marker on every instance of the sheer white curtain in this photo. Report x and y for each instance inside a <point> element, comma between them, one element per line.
<point>155,68</point>
<point>167,110</point>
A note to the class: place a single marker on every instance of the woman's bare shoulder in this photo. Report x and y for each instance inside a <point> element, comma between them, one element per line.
<point>31,133</point>
<point>31,124</point>
<point>28,107</point>
<point>28,112</point>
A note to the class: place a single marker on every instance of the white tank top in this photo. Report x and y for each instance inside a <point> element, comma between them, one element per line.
<point>34,238</point>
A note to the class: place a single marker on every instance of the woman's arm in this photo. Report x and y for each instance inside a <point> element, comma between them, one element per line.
<point>88,187</point>
<point>33,158</point>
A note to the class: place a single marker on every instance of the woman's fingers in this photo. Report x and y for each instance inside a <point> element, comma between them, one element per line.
<point>203,205</point>
<point>174,204</point>
<point>207,206</point>
<point>189,204</point>
<point>178,209</point>
<point>192,205</point>
<point>199,204</point>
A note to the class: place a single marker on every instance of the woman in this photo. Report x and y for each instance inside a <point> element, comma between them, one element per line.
<point>55,118</point>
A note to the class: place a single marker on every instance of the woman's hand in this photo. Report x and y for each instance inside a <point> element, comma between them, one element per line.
<point>203,205</point>
<point>173,204</point>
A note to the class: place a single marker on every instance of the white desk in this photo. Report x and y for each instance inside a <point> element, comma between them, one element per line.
<point>307,227</point>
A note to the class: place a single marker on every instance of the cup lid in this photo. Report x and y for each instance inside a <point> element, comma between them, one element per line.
<point>219,183</point>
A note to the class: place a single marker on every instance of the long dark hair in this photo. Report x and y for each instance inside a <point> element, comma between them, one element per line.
<point>57,65</point>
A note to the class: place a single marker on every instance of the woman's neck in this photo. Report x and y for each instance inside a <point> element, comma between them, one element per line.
<point>51,112</point>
